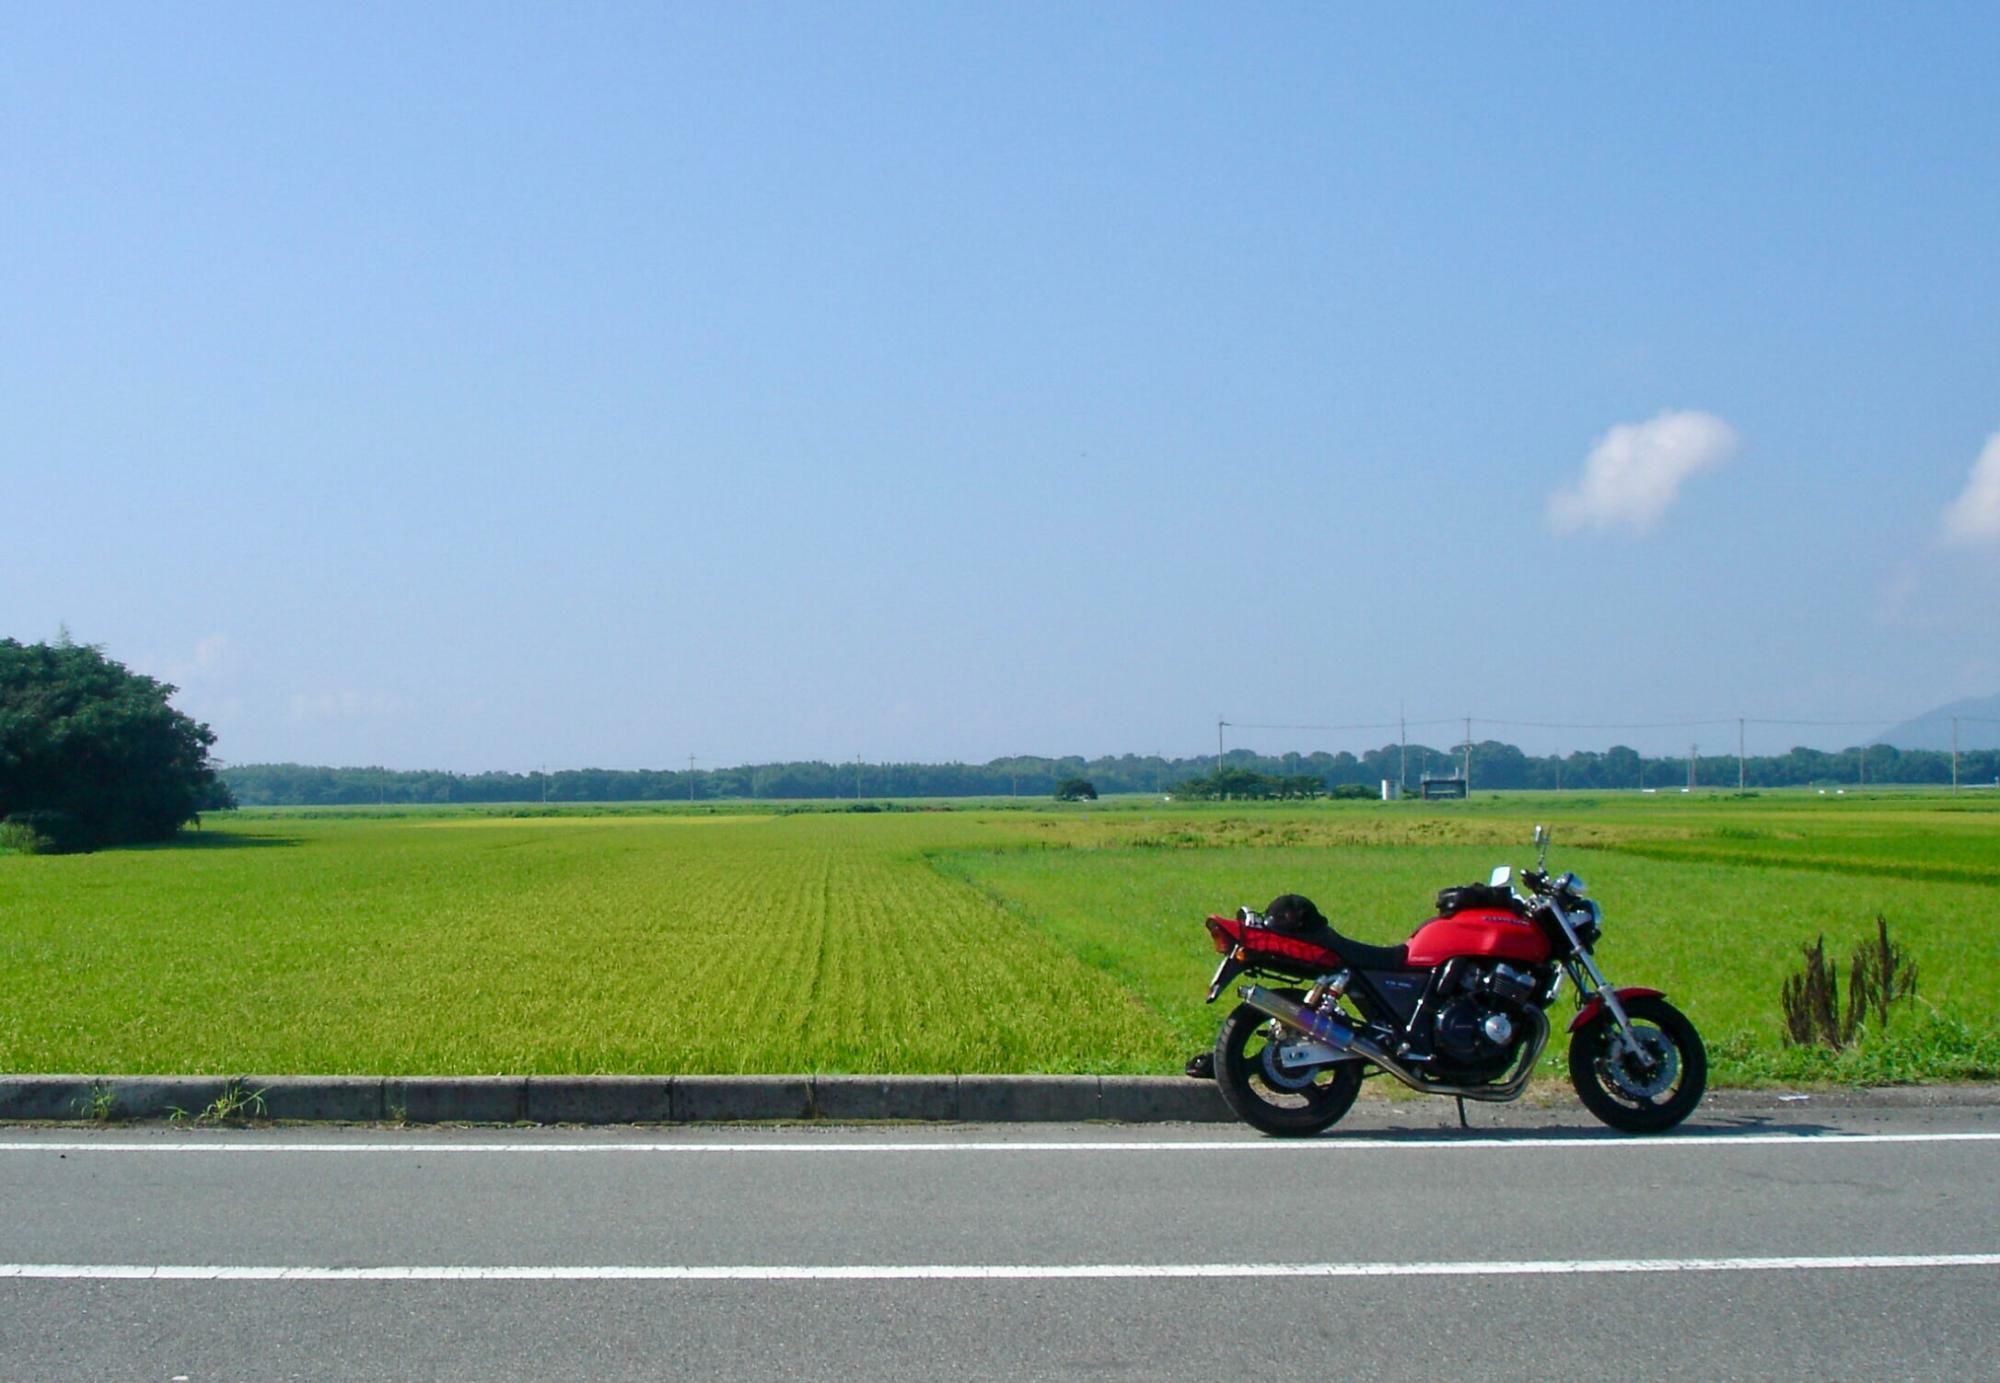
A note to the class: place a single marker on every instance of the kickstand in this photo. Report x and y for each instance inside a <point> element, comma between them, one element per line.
<point>1461,1113</point>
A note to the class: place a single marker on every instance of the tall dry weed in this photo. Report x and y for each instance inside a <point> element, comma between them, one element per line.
<point>1879,974</point>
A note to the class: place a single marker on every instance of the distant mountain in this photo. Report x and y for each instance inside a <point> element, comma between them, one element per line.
<point>1978,726</point>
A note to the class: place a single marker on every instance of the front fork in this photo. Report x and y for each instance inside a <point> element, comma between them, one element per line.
<point>1598,987</point>
<point>1592,985</point>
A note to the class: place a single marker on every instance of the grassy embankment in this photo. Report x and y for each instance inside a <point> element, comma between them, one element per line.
<point>971,940</point>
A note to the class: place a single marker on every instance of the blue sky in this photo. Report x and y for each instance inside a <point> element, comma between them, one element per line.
<point>494,386</point>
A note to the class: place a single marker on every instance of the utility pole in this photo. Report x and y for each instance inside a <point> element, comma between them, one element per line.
<point>1954,755</point>
<point>1559,773</point>
<point>1694,757</point>
<point>1468,758</point>
<point>1219,723</point>
<point>1739,753</point>
<point>1402,748</point>
<point>545,783</point>
<point>690,777</point>
<point>857,777</point>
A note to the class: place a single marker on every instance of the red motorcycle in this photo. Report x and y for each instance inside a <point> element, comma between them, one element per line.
<point>1460,1009</point>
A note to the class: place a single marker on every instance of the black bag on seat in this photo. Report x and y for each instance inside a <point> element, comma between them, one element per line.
<point>1461,897</point>
<point>1293,912</point>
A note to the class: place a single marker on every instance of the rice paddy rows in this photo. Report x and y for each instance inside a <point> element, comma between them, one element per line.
<point>985,940</point>
<point>771,945</point>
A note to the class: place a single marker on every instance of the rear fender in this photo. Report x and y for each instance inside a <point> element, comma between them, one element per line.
<point>1233,964</point>
<point>1588,1013</point>
<point>1226,933</point>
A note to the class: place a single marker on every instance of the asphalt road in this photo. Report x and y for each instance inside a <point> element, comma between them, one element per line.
<point>1810,1243</point>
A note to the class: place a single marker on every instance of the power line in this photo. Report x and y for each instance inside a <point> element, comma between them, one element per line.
<point>1371,725</point>
<point>1914,720</point>
<point>1607,725</point>
<point>1689,724</point>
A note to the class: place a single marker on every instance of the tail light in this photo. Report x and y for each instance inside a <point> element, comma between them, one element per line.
<point>1220,935</point>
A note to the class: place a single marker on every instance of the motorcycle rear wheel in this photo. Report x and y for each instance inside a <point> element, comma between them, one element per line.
<point>1633,1097</point>
<point>1288,1105</point>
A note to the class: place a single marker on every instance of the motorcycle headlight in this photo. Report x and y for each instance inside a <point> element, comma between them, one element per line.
<point>1575,887</point>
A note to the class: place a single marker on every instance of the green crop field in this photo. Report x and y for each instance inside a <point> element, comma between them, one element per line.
<point>979,939</point>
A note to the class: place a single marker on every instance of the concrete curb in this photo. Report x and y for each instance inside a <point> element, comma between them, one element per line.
<point>600,1100</point>
<point>1017,1099</point>
<point>618,1099</point>
<point>725,1099</point>
<point>342,1099</point>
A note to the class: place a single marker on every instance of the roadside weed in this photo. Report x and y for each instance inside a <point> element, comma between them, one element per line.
<point>235,1105</point>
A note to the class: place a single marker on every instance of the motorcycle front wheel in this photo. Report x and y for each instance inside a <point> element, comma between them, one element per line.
<point>1265,1093</point>
<point>1649,1093</point>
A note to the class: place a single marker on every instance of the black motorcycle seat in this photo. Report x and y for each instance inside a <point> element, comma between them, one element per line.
<point>1360,954</point>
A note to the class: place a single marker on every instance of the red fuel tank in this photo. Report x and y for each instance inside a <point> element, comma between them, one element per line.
<point>1478,932</point>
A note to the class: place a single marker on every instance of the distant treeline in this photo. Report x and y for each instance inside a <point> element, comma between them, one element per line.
<point>1233,784</point>
<point>1494,766</point>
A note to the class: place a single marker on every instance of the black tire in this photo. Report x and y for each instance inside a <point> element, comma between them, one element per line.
<point>1282,1111</point>
<point>1620,1093</point>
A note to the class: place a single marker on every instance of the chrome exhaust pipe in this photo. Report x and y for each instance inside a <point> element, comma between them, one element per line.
<point>1343,1036</point>
<point>1329,1028</point>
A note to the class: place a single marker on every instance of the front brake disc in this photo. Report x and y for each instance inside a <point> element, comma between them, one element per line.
<point>1622,1072</point>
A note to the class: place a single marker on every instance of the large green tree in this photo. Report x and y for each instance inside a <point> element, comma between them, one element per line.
<point>91,753</point>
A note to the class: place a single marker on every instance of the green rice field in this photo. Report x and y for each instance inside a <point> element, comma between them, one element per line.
<point>984,938</point>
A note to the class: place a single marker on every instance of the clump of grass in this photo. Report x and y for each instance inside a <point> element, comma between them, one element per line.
<point>1878,976</point>
<point>16,839</point>
<point>21,838</point>
<point>235,1105</point>
<point>100,1103</point>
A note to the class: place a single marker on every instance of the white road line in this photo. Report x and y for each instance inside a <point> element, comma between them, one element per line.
<point>223,1143</point>
<point>1570,1267</point>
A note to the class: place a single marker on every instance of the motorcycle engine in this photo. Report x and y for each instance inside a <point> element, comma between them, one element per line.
<point>1478,1029</point>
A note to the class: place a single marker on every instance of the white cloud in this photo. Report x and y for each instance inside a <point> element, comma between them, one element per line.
<point>1973,518</point>
<point>349,705</point>
<point>1636,470</point>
